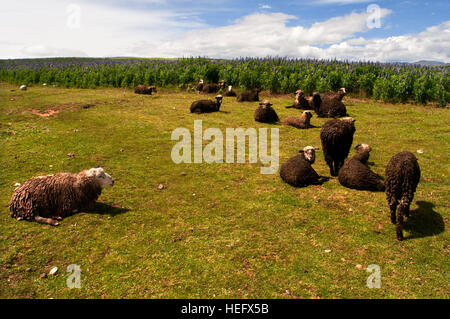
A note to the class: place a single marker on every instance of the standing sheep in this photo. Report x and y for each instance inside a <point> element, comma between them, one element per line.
<point>229,91</point>
<point>249,96</point>
<point>298,172</point>
<point>300,101</point>
<point>356,174</point>
<point>402,178</point>
<point>47,199</point>
<point>337,138</point>
<point>265,113</point>
<point>206,106</point>
<point>302,122</point>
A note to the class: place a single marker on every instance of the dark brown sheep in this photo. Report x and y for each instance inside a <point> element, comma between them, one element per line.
<point>265,113</point>
<point>334,95</point>
<point>206,106</point>
<point>355,174</point>
<point>328,106</point>
<point>249,96</point>
<point>229,91</point>
<point>337,138</point>
<point>402,178</point>
<point>300,101</point>
<point>212,87</point>
<point>298,172</point>
<point>47,199</point>
<point>302,122</point>
<point>142,89</point>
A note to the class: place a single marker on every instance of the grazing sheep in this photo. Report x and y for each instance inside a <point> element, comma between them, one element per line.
<point>142,89</point>
<point>23,87</point>
<point>298,172</point>
<point>337,138</point>
<point>249,96</point>
<point>302,122</point>
<point>265,113</point>
<point>47,199</point>
<point>356,174</point>
<point>229,91</point>
<point>300,101</point>
<point>327,106</point>
<point>212,87</point>
<point>402,177</point>
<point>335,95</point>
<point>207,106</point>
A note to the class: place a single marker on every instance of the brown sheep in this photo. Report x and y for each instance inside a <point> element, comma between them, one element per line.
<point>327,106</point>
<point>47,199</point>
<point>356,174</point>
<point>402,178</point>
<point>249,96</point>
<point>337,95</point>
<point>142,89</point>
<point>298,172</point>
<point>300,101</point>
<point>265,113</point>
<point>212,87</point>
<point>206,106</point>
<point>229,91</point>
<point>302,122</point>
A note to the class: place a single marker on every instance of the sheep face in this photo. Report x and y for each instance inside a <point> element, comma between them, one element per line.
<point>219,100</point>
<point>229,88</point>
<point>363,147</point>
<point>348,119</point>
<point>103,178</point>
<point>310,154</point>
<point>308,115</point>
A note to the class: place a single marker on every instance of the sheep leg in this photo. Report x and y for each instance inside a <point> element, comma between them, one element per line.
<point>393,208</point>
<point>47,221</point>
<point>330,165</point>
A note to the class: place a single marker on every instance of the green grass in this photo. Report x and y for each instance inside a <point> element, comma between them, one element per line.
<point>243,234</point>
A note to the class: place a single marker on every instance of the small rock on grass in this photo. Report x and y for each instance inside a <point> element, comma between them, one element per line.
<point>160,186</point>
<point>72,155</point>
<point>43,275</point>
<point>53,271</point>
<point>359,266</point>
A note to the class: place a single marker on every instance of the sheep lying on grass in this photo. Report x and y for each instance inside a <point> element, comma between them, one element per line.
<point>212,87</point>
<point>229,91</point>
<point>302,122</point>
<point>142,89</point>
<point>249,96</point>
<point>337,138</point>
<point>265,113</point>
<point>207,106</point>
<point>300,101</point>
<point>23,87</point>
<point>298,172</point>
<point>47,199</point>
<point>339,95</point>
<point>356,174</point>
<point>402,177</point>
<point>328,106</point>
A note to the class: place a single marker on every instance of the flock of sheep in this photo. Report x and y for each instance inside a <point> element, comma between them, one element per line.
<point>48,199</point>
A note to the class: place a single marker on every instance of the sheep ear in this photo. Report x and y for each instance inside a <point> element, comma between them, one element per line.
<point>357,146</point>
<point>301,151</point>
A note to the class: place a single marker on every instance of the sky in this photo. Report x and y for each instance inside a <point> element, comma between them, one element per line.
<point>355,30</point>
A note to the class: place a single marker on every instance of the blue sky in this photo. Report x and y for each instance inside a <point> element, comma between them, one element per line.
<point>409,30</point>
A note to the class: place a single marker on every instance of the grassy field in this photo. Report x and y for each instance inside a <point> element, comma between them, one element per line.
<point>215,230</point>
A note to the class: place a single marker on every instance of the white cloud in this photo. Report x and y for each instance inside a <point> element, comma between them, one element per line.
<point>264,6</point>
<point>38,29</point>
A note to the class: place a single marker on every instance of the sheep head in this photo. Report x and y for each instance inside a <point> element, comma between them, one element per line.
<point>103,178</point>
<point>219,100</point>
<point>308,115</point>
<point>309,153</point>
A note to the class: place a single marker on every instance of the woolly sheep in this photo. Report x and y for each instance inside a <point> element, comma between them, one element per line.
<point>47,199</point>
<point>402,178</point>
<point>356,174</point>
<point>328,106</point>
<point>229,91</point>
<point>302,122</point>
<point>298,172</point>
<point>206,106</point>
<point>335,95</point>
<point>265,113</point>
<point>249,96</point>
<point>142,89</point>
<point>300,101</point>
<point>337,138</point>
<point>212,87</point>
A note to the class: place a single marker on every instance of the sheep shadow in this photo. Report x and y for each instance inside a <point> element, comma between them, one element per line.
<point>424,221</point>
<point>105,209</point>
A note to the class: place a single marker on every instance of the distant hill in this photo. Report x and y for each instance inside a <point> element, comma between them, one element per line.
<point>429,63</point>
